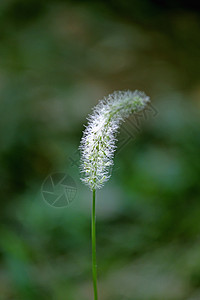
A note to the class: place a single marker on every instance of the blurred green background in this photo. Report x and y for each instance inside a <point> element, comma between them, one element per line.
<point>57,58</point>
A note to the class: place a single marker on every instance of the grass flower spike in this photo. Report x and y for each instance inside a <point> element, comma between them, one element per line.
<point>98,145</point>
<point>99,138</point>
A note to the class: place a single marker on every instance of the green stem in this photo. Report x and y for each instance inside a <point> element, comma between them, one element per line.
<point>94,264</point>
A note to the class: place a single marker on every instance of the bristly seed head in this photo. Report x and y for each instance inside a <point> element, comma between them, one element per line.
<point>98,142</point>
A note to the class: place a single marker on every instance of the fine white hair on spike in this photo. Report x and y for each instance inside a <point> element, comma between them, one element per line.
<point>97,145</point>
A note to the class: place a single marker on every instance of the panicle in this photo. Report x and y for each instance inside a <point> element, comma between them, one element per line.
<point>98,143</point>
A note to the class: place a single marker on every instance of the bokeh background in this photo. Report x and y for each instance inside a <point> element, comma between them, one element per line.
<point>57,58</point>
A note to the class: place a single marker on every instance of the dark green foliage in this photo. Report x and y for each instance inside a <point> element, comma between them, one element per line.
<point>57,58</point>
